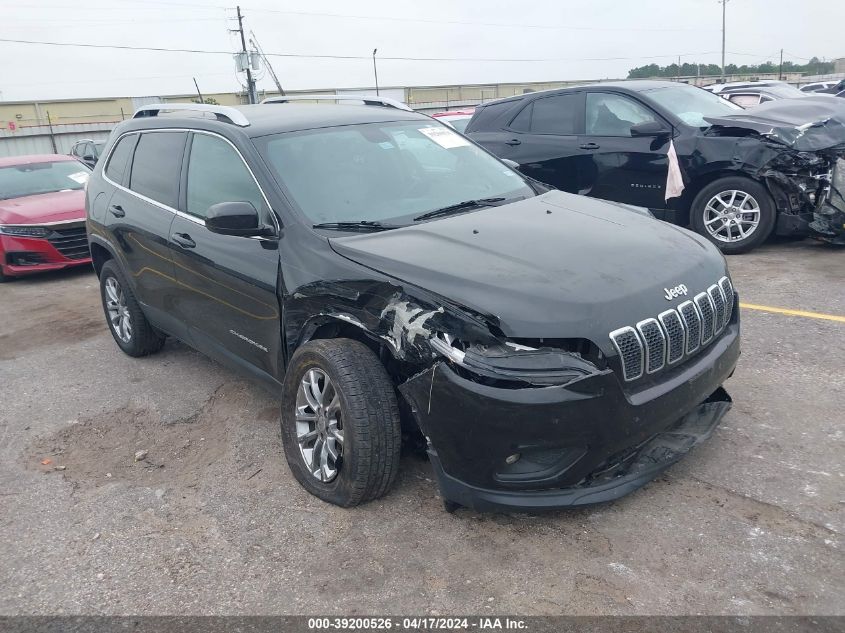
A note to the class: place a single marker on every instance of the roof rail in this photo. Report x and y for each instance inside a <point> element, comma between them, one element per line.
<point>367,99</point>
<point>223,113</point>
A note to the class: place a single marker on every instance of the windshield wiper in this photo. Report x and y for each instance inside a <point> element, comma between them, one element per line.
<point>460,206</point>
<point>358,225</point>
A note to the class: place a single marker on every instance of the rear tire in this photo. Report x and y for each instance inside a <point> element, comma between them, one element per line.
<point>344,451</point>
<point>735,213</point>
<point>127,323</point>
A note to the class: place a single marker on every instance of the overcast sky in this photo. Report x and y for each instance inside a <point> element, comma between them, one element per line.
<point>555,39</point>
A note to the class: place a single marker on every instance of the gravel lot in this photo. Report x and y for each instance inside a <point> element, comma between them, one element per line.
<point>212,522</point>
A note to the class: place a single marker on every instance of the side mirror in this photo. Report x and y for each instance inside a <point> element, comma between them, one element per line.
<point>510,163</point>
<point>649,128</point>
<point>235,218</point>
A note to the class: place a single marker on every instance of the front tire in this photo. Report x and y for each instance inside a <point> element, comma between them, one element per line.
<point>127,323</point>
<point>340,422</point>
<point>735,213</point>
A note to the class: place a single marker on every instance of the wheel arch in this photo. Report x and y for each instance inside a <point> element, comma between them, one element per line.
<point>99,256</point>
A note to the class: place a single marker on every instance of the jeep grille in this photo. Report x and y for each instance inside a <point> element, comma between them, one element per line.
<point>675,334</point>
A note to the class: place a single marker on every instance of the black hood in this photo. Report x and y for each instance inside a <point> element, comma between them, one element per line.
<point>555,266</point>
<point>807,125</point>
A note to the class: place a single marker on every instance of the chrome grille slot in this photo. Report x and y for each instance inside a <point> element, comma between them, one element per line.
<point>674,334</point>
<point>727,289</point>
<point>676,341</point>
<point>630,350</point>
<point>708,316</point>
<point>655,345</point>
<point>718,300</point>
<point>692,323</point>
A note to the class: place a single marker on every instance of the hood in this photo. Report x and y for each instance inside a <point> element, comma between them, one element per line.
<point>554,266</point>
<point>59,206</point>
<point>810,124</point>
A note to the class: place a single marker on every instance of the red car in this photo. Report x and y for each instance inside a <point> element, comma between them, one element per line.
<point>42,214</point>
<point>458,119</point>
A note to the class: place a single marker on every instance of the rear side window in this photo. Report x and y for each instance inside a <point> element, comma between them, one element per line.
<point>217,174</point>
<point>157,165</point>
<point>116,168</point>
<point>556,115</point>
<point>487,118</point>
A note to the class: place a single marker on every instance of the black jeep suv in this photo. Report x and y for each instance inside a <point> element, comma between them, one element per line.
<point>778,167</point>
<point>386,276</point>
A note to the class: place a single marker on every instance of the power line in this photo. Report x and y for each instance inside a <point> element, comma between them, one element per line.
<point>384,18</point>
<point>367,57</point>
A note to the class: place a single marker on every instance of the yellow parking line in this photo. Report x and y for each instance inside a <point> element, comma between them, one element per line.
<point>800,313</point>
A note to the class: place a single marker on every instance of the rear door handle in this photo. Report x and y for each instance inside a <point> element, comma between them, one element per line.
<point>117,211</point>
<point>590,145</point>
<point>183,239</point>
<point>513,141</point>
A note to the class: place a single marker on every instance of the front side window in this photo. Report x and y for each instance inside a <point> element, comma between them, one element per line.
<point>387,172</point>
<point>745,101</point>
<point>30,179</point>
<point>216,173</point>
<point>156,166</point>
<point>614,115</point>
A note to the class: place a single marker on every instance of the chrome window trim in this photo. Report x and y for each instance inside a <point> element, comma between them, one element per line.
<point>660,318</point>
<point>695,299</point>
<point>613,336</point>
<point>648,368</point>
<point>686,326</point>
<point>183,214</point>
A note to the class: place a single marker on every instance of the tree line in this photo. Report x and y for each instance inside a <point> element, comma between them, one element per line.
<point>814,67</point>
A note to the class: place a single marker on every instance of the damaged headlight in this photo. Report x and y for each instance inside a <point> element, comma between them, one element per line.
<point>514,362</point>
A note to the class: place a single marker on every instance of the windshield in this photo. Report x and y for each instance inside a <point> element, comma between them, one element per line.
<point>691,104</point>
<point>385,172</point>
<point>784,91</point>
<point>36,178</point>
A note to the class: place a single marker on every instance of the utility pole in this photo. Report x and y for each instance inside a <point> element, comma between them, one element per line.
<point>375,70</point>
<point>250,82</point>
<point>780,69</point>
<point>198,89</point>
<point>724,3</point>
<point>254,42</point>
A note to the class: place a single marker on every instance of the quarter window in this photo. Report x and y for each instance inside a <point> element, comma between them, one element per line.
<point>157,165</point>
<point>216,173</point>
<point>614,115</point>
<point>556,115</point>
<point>116,168</point>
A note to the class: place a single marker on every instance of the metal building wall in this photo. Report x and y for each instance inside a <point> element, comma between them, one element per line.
<point>37,139</point>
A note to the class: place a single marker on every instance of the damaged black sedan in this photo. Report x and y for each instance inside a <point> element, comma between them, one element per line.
<point>388,278</point>
<point>735,176</point>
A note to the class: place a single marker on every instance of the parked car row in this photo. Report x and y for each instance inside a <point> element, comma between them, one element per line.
<point>745,173</point>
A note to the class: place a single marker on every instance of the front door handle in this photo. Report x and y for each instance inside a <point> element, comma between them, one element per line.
<point>117,211</point>
<point>183,239</point>
<point>513,142</point>
<point>589,145</point>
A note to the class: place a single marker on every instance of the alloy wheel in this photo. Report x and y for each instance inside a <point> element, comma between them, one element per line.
<point>319,425</point>
<point>731,216</point>
<point>119,317</point>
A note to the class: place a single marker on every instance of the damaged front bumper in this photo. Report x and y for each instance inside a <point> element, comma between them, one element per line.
<point>586,442</point>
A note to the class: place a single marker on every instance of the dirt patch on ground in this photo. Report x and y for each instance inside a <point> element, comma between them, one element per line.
<point>64,327</point>
<point>133,445</point>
